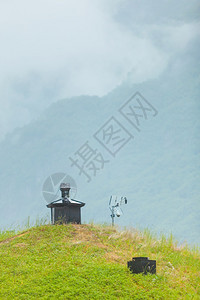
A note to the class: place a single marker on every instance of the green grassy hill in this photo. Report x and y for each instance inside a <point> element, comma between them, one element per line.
<point>90,262</point>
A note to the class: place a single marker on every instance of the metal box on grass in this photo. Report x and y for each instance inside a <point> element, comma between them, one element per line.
<point>142,265</point>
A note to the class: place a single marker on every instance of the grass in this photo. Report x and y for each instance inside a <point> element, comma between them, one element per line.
<point>90,262</point>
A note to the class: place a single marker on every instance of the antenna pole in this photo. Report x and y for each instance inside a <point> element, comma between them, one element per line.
<point>112,216</point>
<point>114,206</point>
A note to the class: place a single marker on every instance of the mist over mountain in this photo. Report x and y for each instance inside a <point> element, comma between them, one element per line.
<point>95,56</point>
<point>157,170</point>
<point>52,50</point>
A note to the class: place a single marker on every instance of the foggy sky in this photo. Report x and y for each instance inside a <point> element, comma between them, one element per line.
<point>53,49</point>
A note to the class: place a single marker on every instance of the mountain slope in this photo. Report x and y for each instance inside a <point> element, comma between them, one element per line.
<point>90,262</point>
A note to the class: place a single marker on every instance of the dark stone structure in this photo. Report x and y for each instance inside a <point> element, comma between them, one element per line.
<point>65,210</point>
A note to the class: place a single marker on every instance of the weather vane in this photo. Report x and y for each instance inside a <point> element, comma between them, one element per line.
<point>114,205</point>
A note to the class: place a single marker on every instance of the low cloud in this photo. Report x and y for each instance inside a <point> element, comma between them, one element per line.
<point>55,49</point>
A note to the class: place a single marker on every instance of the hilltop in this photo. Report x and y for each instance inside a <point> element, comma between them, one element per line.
<point>90,262</point>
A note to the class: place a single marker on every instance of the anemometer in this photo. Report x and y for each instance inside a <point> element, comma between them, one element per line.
<point>114,205</point>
